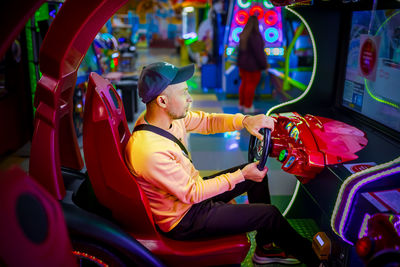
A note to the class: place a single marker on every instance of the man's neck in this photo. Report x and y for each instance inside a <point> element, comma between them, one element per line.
<point>159,119</point>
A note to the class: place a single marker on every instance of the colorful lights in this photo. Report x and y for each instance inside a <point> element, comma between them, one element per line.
<point>277,51</point>
<point>257,10</point>
<point>235,34</point>
<point>349,189</point>
<point>189,35</point>
<point>268,17</point>
<point>364,224</point>
<point>271,17</point>
<point>244,5</point>
<point>312,74</point>
<point>89,257</point>
<point>241,17</point>
<point>229,51</point>
<point>267,4</point>
<point>271,35</point>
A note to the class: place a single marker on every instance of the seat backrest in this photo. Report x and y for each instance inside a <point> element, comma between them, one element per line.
<point>32,226</point>
<point>105,135</point>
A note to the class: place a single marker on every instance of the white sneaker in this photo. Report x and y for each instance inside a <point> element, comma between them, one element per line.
<point>249,110</point>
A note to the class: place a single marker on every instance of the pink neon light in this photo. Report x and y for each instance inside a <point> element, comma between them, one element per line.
<point>241,17</point>
<point>258,9</point>
<point>271,17</point>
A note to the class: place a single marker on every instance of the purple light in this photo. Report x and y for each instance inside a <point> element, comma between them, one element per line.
<point>353,190</point>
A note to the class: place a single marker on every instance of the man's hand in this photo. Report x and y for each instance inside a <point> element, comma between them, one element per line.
<point>251,172</point>
<point>254,123</point>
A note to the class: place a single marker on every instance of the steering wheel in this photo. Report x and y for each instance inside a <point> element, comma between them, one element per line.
<point>259,150</point>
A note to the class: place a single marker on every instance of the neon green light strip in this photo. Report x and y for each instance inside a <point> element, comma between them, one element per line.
<point>386,21</point>
<point>31,65</point>
<point>313,69</point>
<point>296,190</point>
<point>301,96</point>
<point>291,81</point>
<point>299,30</point>
<point>379,99</point>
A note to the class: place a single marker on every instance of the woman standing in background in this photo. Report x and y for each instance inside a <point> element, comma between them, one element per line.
<point>251,61</point>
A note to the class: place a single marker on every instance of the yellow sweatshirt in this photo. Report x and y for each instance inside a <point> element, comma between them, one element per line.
<point>171,182</point>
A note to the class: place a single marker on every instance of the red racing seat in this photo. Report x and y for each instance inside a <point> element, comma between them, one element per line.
<point>105,135</point>
<point>32,227</point>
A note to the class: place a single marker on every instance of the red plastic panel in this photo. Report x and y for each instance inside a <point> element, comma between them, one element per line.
<point>54,142</point>
<point>32,226</point>
<point>105,134</point>
<point>305,145</point>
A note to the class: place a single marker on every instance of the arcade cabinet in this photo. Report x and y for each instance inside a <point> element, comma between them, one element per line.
<point>270,20</point>
<point>356,81</point>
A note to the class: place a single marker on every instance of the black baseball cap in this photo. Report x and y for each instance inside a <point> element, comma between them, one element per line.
<point>157,76</point>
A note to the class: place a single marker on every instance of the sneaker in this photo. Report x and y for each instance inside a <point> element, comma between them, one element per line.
<point>249,110</point>
<point>273,254</point>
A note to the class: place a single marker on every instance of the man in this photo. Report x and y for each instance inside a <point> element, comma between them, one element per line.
<point>185,205</point>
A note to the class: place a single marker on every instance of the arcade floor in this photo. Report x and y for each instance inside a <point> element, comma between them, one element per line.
<point>211,153</point>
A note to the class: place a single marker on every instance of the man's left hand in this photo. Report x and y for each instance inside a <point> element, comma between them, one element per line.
<point>253,124</point>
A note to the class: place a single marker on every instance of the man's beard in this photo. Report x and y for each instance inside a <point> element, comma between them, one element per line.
<point>175,116</point>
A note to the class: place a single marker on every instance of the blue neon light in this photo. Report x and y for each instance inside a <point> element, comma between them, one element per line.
<point>271,35</point>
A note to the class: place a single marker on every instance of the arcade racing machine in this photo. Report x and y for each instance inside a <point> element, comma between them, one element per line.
<point>56,163</point>
<point>55,156</point>
<point>355,86</point>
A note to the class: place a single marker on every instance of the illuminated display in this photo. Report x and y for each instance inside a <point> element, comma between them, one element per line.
<point>320,241</point>
<point>270,21</point>
<point>289,126</point>
<point>294,133</point>
<point>289,162</point>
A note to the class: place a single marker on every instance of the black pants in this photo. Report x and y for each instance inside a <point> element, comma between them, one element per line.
<point>216,217</point>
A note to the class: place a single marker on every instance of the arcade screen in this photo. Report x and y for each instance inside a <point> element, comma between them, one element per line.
<point>372,74</point>
<point>270,21</point>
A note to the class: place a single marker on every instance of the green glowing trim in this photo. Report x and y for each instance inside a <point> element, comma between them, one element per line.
<point>386,21</point>
<point>301,96</point>
<point>299,31</point>
<point>295,83</point>
<point>313,69</point>
<point>191,41</point>
<point>379,99</point>
<point>282,155</point>
<point>365,80</point>
<point>268,4</point>
<point>243,5</point>
<point>289,206</point>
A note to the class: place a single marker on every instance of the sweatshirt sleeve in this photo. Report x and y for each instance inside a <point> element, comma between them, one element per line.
<point>164,172</point>
<point>210,123</point>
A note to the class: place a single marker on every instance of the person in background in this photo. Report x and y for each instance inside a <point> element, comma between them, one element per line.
<point>251,61</point>
<point>184,204</point>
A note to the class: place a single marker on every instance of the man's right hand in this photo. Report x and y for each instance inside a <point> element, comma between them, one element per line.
<point>251,172</point>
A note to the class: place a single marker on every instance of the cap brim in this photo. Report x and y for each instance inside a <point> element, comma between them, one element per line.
<point>184,74</point>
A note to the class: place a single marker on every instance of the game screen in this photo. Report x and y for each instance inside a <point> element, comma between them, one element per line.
<point>372,78</point>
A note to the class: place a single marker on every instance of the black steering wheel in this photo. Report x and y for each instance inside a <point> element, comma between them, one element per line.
<point>259,150</point>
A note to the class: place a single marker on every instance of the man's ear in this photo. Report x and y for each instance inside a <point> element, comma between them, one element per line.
<point>162,100</point>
